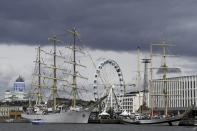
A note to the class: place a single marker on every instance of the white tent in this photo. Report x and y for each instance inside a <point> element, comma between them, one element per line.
<point>124,113</point>
<point>104,113</point>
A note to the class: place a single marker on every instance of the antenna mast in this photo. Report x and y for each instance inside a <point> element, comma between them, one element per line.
<point>138,68</point>
<point>138,75</point>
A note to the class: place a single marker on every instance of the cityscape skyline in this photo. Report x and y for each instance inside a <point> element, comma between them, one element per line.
<point>111,29</point>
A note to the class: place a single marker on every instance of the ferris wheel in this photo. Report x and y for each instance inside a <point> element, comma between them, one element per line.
<point>108,81</point>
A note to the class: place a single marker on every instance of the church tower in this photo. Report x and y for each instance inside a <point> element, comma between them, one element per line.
<point>19,89</point>
<point>19,85</point>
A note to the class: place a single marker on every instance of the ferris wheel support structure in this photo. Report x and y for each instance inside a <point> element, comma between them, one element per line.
<point>111,89</point>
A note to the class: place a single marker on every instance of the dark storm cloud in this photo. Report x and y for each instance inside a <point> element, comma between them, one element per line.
<point>111,25</point>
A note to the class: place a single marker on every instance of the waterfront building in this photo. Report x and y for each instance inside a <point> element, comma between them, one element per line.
<point>131,101</point>
<point>6,111</point>
<point>181,93</point>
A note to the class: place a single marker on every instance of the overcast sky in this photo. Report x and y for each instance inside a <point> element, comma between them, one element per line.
<point>113,27</point>
<point>103,24</point>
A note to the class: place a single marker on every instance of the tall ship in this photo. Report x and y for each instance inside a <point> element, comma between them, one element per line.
<point>163,70</point>
<point>40,112</point>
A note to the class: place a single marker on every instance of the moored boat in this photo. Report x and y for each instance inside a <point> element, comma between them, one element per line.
<point>61,117</point>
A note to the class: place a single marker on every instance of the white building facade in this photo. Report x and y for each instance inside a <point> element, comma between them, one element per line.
<point>131,101</point>
<point>181,93</point>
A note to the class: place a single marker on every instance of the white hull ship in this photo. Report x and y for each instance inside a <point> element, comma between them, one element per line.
<point>62,117</point>
<point>40,113</point>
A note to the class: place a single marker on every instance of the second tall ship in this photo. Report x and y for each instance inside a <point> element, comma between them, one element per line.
<point>40,113</point>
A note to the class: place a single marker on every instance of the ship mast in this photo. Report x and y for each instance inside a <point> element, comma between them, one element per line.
<point>74,70</point>
<point>54,87</point>
<point>164,69</point>
<point>164,66</point>
<point>39,98</point>
<point>75,73</point>
<point>54,78</point>
<point>151,79</point>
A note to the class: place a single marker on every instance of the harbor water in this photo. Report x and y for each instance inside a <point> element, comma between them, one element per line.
<point>90,127</point>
